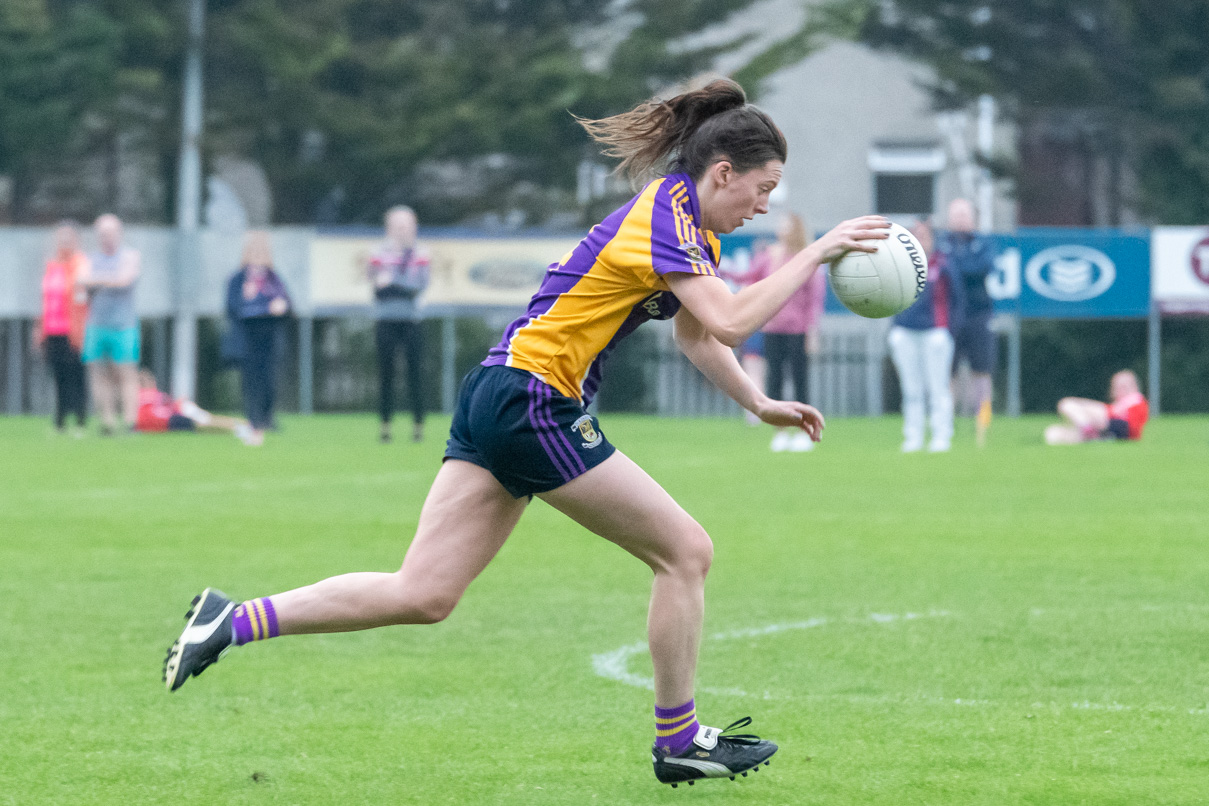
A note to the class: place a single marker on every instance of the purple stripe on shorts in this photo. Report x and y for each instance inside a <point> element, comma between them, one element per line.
<point>549,412</point>
<point>552,430</point>
<point>535,421</point>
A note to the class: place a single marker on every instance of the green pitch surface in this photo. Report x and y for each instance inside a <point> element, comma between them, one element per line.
<point>1017,625</point>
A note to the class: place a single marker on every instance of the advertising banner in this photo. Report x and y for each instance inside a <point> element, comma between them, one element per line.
<point>1072,274</point>
<point>1044,273</point>
<point>466,272</point>
<point>1180,273</point>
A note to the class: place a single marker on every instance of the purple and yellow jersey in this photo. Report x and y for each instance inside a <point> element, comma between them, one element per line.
<point>607,286</point>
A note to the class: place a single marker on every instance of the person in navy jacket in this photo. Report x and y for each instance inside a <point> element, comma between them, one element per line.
<point>921,346</point>
<point>257,304</point>
<point>973,258</point>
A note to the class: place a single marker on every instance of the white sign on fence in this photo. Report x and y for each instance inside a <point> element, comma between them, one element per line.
<point>1179,269</point>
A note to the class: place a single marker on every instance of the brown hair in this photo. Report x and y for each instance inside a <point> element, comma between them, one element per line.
<point>690,132</point>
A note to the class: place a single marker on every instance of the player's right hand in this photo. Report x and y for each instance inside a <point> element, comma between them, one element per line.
<point>851,235</point>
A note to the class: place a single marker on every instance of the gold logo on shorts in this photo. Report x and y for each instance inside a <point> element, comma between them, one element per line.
<point>588,431</point>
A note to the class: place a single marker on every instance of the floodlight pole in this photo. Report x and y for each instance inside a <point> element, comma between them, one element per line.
<point>188,212</point>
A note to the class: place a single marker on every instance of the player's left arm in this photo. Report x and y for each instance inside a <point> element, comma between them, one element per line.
<point>718,363</point>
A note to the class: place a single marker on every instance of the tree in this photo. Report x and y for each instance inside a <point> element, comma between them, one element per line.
<point>342,102</point>
<point>1130,77</point>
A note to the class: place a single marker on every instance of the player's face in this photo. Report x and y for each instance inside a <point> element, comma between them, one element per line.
<point>739,197</point>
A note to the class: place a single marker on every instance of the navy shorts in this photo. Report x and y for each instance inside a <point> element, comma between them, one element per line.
<point>179,422</point>
<point>976,342</point>
<point>529,435</point>
<point>1117,429</point>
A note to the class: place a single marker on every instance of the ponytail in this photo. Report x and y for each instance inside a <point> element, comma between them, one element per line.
<point>690,132</point>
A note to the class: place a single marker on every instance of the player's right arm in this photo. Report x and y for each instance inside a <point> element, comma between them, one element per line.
<point>718,363</point>
<point>732,317</point>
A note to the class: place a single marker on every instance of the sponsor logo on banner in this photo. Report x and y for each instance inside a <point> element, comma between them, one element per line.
<point>1200,260</point>
<point>1070,273</point>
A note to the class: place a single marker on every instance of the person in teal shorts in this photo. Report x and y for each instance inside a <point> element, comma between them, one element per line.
<point>111,332</point>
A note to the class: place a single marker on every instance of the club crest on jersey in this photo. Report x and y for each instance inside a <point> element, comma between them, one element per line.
<point>694,253</point>
<point>591,436</point>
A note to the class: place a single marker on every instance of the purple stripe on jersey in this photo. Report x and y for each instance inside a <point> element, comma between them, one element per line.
<point>661,305</point>
<point>538,426</point>
<point>570,448</point>
<point>561,279</point>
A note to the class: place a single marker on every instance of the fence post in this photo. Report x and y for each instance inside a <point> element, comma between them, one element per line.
<point>306,365</point>
<point>449,350</point>
<point>874,358</point>
<point>159,341</point>
<point>16,366</point>
<point>1013,379</point>
<point>1154,330</point>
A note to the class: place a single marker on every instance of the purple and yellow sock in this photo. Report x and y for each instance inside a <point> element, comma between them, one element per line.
<point>255,620</point>
<point>675,728</point>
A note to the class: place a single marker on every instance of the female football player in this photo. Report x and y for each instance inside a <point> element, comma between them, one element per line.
<point>521,427</point>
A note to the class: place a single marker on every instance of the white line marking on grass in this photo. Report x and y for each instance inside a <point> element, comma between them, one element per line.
<point>615,665</point>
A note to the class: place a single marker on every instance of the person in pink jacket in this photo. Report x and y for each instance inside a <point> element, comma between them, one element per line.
<point>793,332</point>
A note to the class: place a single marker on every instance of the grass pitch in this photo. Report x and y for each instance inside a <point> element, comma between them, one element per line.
<point>1017,625</point>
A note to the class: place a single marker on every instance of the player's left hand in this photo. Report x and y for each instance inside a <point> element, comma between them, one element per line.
<point>791,414</point>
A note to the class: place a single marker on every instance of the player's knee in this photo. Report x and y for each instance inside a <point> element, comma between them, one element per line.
<point>695,553</point>
<point>413,604</point>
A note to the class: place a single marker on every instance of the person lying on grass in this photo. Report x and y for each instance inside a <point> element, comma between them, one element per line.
<point>1086,420</point>
<point>158,412</point>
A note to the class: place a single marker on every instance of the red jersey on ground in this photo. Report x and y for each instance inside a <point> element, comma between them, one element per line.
<point>1134,410</point>
<point>155,409</point>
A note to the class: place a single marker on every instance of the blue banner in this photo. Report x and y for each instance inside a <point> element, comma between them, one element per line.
<point>1041,273</point>
<point>1072,274</point>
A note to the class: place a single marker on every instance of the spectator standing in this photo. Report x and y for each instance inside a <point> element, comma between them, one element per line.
<point>111,333</point>
<point>973,258</point>
<point>61,330</point>
<point>399,271</point>
<point>921,346</point>
<point>793,332</point>
<point>257,303</point>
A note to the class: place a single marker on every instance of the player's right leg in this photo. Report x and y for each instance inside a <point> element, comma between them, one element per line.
<point>620,502</point>
<point>466,517</point>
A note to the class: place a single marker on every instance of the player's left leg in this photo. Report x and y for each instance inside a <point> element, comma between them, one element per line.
<point>620,502</point>
<point>466,517</point>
